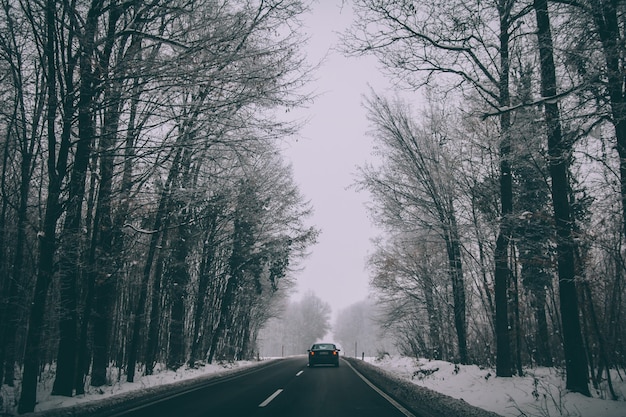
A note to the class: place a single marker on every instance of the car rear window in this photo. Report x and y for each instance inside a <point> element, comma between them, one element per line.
<point>323,347</point>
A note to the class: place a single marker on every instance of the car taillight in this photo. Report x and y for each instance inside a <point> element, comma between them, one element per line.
<point>312,353</point>
<point>335,352</point>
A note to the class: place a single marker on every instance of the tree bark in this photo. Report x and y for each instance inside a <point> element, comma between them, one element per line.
<point>453,248</point>
<point>47,242</point>
<point>205,274</point>
<point>160,217</point>
<point>70,259</point>
<point>577,378</point>
<point>543,355</point>
<point>4,266</point>
<point>178,270</point>
<point>103,314</point>
<point>502,272</point>
<point>156,309</point>
<point>434,319</point>
<point>179,278</point>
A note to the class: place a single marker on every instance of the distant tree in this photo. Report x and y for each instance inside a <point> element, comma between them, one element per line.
<point>413,295</point>
<point>297,326</point>
<point>358,327</point>
<point>311,321</point>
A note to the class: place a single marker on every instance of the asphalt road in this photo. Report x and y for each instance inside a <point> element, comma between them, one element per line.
<point>286,388</point>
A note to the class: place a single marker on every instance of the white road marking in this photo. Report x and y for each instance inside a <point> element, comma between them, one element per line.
<point>393,402</point>
<point>299,373</point>
<point>270,398</point>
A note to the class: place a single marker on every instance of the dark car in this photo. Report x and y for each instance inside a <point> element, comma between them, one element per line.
<point>323,353</point>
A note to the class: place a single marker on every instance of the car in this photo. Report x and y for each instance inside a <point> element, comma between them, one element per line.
<point>323,353</point>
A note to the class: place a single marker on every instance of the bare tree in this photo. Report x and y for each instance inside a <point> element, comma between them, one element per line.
<point>138,100</point>
<point>358,326</point>
<point>410,280</point>
<point>415,189</point>
<point>57,163</point>
<point>559,149</point>
<point>23,121</point>
<point>454,40</point>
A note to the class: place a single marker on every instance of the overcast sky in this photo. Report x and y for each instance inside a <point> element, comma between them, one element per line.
<point>325,160</point>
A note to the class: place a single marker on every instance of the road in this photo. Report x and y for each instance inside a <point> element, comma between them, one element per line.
<point>286,388</point>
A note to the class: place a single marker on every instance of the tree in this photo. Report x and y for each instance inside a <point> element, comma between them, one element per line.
<point>559,149</point>
<point>534,222</point>
<point>605,33</point>
<point>23,119</point>
<point>413,297</point>
<point>414,189</point>
<point>71,243</point>
<point>357,326</point>
<point>454,40</point>
<point>309,321</point>
<point>297,326</point>
<point>139,100</point>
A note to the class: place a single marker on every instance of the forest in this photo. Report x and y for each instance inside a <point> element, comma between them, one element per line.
<point>503,198</point>
<point>147,215</point>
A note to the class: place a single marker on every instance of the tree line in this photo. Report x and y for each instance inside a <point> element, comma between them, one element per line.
<point>504,199</point>
<point>146,214</point>
<point>296,327</point>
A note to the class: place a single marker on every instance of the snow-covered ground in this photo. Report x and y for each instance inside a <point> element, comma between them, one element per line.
<point>540,393</point>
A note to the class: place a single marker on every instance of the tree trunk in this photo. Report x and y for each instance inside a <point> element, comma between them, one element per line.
<point>204,276</point>
<point>160,216</point>
<point>70,260</point>
<point>152,337</point>
<point>16,275</point>
<point>558,151</point>
<point>434,322</point>
<point>543,355</point>
<point>453,246</point>
<point>47,242</point>
<point>15,272</point>
<point>103,314</point>
<point>4,264</point>
<point>604,357</point>
<point>225,306</point>
<point>502,272</point>
<point>518,326</point>
<point>5,282</point>
<point>178,286</point>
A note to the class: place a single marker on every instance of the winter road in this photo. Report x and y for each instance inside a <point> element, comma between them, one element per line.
<point>286,388</point>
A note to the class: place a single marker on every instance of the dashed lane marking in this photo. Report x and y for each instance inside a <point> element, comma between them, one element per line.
<point>270,398</point>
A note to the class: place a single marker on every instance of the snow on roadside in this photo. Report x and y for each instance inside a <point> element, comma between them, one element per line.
<point>540,393</point>
<point>119,386</point>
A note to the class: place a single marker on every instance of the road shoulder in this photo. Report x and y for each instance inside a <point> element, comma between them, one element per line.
<point>422,401</point>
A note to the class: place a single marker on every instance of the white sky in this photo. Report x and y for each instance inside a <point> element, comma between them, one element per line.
<point>325,160</point>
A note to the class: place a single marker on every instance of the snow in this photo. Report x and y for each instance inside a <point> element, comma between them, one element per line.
<point>541,392</point>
